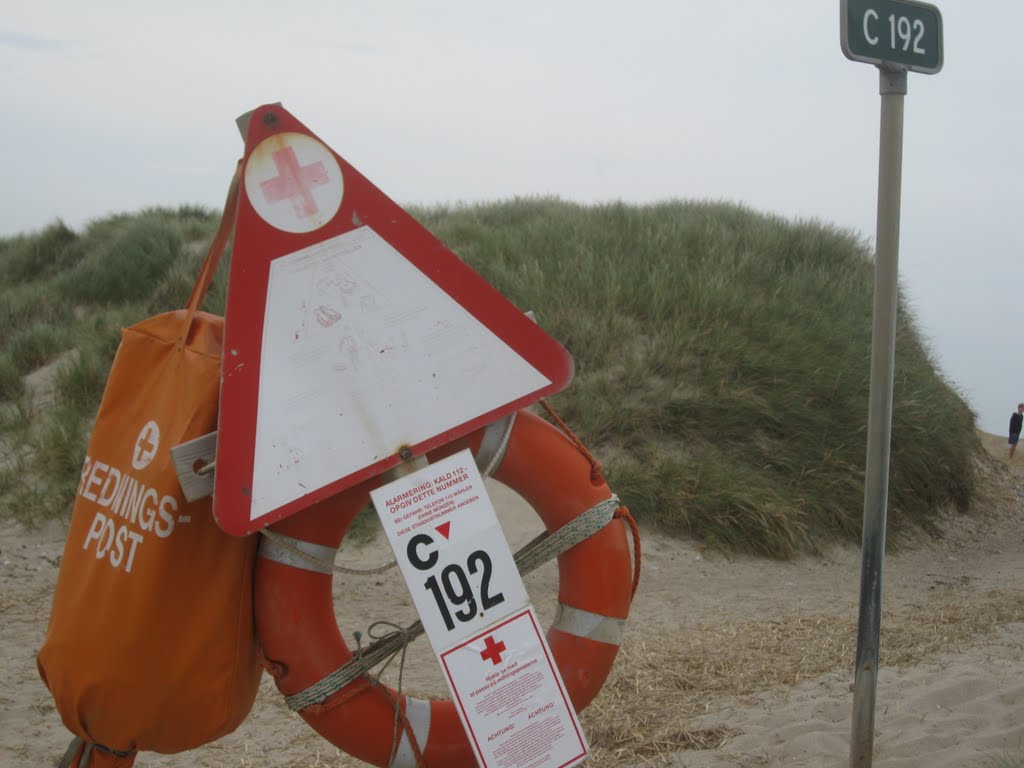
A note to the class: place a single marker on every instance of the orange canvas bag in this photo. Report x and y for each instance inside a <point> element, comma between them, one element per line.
<point>150,644</point>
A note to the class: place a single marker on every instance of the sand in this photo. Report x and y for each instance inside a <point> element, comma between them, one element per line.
<point>729,661</point>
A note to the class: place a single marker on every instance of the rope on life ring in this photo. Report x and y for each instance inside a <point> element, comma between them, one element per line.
<point>329,685</point>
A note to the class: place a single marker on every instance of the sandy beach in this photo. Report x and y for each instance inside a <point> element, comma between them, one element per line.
<point>728,660</point>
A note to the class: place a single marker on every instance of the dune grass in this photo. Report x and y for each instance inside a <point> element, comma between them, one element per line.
<point>721,357</point>
<point>66,298</point>
<point>723,364</point>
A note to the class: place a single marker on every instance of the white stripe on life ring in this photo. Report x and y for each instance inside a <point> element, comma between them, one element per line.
<point>592,626</point>
<point>492,448</point>
<point>281,549</point>
<point>417,712</point>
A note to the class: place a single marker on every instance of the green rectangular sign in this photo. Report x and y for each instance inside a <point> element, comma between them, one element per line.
<point>892,32</point>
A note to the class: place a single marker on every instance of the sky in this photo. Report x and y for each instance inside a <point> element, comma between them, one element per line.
<point>118,105</point>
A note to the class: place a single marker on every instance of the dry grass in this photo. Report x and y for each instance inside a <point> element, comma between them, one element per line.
<point>660,686</point>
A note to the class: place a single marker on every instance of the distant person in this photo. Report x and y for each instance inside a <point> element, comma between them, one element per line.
<point>1016,421</point>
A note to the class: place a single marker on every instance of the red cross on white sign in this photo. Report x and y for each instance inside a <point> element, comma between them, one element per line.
<point>295,183</point>
<point>492,650</point>
<point>343,306</point>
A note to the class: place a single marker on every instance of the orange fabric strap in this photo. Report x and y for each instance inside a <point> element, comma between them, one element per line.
<point>217,247</point>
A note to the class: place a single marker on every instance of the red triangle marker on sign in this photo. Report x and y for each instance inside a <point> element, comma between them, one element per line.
<point>351,333</point>
<point>443,529</point>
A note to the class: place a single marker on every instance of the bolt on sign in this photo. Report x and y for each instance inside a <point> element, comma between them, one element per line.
<point>353,337</point>
<point>475,610</point>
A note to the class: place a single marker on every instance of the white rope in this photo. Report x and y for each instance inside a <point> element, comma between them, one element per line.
<point>529,558</point>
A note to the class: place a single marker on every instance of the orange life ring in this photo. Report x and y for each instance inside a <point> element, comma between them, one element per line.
<point>299,633</point>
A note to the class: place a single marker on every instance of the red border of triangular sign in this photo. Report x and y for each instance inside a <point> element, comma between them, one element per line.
<point>257,244</point>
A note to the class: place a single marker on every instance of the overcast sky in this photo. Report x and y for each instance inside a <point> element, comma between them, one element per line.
<point>116,105</point>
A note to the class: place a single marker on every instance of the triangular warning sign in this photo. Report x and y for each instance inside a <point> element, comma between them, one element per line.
<point>443,528</point>
<point>351,333</point>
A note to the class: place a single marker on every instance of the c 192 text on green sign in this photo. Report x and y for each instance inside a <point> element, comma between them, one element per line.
<point>895,32</point>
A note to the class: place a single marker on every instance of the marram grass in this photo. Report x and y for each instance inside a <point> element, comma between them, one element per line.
<point>722,356</point>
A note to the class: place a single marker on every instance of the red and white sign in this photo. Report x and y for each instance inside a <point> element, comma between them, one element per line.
<point>293,182</point>
<point>511,698</point>
<point>351,334</point>
<point>450,548</point>
<point>476,612</point>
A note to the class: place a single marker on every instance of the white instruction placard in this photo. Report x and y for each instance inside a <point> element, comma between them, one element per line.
<point>511,698</point>
<point>475,610</point>
<point>450,547</point>
<point>353,328</point>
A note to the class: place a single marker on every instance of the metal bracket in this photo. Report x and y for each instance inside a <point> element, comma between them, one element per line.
<point>193,463</point>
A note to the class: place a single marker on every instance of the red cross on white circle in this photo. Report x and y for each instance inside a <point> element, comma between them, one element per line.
<point>145,445</point>
<point>293,182</point>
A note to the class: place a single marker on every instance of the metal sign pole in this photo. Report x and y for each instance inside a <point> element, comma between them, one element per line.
<point>897,36</point>
<point>892,87</point>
